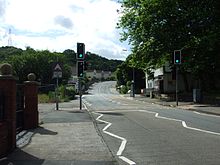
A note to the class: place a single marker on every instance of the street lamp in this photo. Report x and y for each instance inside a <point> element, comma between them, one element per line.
<point>133,84</point>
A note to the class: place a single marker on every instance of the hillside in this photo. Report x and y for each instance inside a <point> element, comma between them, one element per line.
<point>94,61</point>
<point>97,62</point>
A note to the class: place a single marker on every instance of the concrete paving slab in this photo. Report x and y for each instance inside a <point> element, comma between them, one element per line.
<point>66,137</point>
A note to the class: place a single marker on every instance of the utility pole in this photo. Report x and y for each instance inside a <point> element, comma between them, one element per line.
<point>133,83</point>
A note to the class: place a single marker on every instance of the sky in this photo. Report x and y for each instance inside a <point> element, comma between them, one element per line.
<point>57,25</point>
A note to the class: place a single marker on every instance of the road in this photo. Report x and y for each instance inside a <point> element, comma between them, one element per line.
<point>148,134</point>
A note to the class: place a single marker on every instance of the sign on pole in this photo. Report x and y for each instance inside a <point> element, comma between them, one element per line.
<point>57,71</point>
<point>57,74</point>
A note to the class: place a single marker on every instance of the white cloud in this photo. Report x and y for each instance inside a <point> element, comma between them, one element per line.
<point>34,23</point>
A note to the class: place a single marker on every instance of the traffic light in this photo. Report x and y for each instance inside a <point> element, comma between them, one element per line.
<point>80,51</point>
<point>177,56</point>
<point>80,68</point>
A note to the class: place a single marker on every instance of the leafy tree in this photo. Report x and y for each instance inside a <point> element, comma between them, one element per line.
<point>125,73</point>
<point>156,28</point>
<point>38,62</point>
<point>8,51</point>
<point>70,56</point>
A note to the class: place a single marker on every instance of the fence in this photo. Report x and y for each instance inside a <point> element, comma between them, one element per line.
<point>19,107</point>
<point>2,106</point>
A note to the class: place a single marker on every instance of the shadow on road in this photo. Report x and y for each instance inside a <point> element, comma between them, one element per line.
<point>112,113</point>
<point>43,131</point>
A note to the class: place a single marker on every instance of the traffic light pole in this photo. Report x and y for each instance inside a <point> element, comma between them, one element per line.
<point>80,68</point>
<point>80,95</point>
<point>177,85</point>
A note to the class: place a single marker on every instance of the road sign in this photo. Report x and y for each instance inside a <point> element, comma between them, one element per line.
<point>57,70</point>
<point>57,67</point>
<point>57,74</point>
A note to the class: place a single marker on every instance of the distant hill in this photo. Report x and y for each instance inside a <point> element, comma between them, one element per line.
<point>8,51</point>
<point>94,61</point>
<point>97,62</point>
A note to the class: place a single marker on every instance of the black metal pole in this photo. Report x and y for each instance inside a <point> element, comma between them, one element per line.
<point>56,93</point>
<point>133,83</point>
<point>80,95</point>
<point>176,85</point>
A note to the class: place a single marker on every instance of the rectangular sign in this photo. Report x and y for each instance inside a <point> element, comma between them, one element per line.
<point>57,74</point>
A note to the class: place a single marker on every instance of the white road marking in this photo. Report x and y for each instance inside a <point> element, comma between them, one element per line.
<point>127,160</point>
<point>123,143</point>
<point>87,103</point>
<point>205,114</point>
<point>201,130</point>
<point>167,118</point>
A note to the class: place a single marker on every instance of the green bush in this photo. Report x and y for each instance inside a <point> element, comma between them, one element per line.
<point>43,98</point>
<point>128,84</point>
<point>51,96</point>
<point>70,92</point>
<point>123,89</point>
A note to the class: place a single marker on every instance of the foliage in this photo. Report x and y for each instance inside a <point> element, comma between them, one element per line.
<point>8,51</point>
<point>70,92</point>
<point>43,98</point>
<point>65,93</point>
<point>156,28</point>
<point>70,56</point>
<point>38,62</point>
<point>123,89</point>
<point>96,62</point>
<point>125,73</point>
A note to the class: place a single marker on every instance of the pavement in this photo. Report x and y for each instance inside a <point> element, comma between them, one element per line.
<point>201,108</point>
<point>65,137</point>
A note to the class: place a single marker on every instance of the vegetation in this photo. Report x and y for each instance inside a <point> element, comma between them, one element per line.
<point>42,63</point>
<point>124,76</point>
<point>39,62</point>
<point>96,62</point>
<point>65,93</point>
<point>156,28</point>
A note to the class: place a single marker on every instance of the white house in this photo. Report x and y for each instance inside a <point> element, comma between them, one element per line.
<point>164,80</point>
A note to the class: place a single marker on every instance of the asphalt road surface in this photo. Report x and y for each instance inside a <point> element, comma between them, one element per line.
<point>147,134</point>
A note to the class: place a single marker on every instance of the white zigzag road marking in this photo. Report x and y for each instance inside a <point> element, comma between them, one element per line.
<point>123,143</point>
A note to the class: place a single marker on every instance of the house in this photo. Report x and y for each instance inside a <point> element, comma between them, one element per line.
<point>164,80</point>
<point>98,74</point>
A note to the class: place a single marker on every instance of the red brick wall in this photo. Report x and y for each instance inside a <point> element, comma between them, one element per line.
<point>8,125</point>
<point>31,105</point>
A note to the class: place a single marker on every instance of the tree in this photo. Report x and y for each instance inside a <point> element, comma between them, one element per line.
<point>125,73</point>
<point>38,62</point>
<point>97,62</point>
<point>156,28</point>
<point>70,55</point>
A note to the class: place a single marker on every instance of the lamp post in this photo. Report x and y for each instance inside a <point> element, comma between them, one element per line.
<point>133,83</point>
